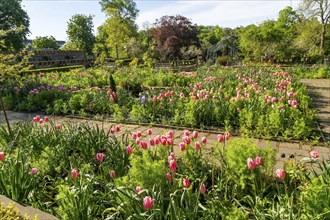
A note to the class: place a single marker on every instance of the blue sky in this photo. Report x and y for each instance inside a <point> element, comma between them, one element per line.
<point>50,17</point>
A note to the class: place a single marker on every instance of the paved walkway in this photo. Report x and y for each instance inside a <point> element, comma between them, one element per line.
<point>319,90</point>
<point>285,150</point>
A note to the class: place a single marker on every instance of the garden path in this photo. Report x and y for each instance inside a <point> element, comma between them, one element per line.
<point>285,150</point>
<point>319,90</point>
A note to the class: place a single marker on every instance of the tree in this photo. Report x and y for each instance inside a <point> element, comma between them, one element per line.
<point>80,32</point>
<point>125,9</point>
<point>321,10</point>
<point>210,34</point>
<point>15,21</point>
<point>45,43</point>
<point>171,33</point>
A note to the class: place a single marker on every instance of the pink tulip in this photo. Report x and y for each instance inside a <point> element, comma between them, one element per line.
<point>170,141</point>
<point>129,150</point>
<point>138,189</point>
<point>33,171</point>
<point>38,118</point>
<point>186,133</point>
<point>137,141</point>
<point>157,140</point>
<point>100,156</point>
<point>134,135</point>
<point>139,133</point>
<point>117,128</point>
<point>148,203</point>
<point>186,183</point>
<point>2,156</point>
<point>35,119</point>
<point>163,141</point>
<point>314,154</point>
<point>258,161</point>
<point>280,173</point>
<point>203,188</point>
<point>221,138</point>
<point>172,165</point>
<point>169,134</point>
<point>187,140</point>
<point>151,141</point>
<point>112,131</point>
<point>46,119</point>
<point>169,177</point>
<point>227,136</point>
<point>41,121</point>
<point>197,146</point>
<point>251,164</point>
<point>182,146</point>
<point>204,140</point>
<point>74,174</point>
<point>195,134</point>
<point>149,132</point>
<point>112,174</point>
<point>172,155</point>
<point>144,145</point>
<point>58,127</point>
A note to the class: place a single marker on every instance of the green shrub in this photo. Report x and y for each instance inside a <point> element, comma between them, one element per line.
<point>223,60</point>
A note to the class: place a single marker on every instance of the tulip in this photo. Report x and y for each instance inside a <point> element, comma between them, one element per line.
<point>186,133</point>
<point>37,118</point>
<point>203,188</point>
<point>314,154</point>
<point>138,189</point>
<point>280,173</point>
<point>113,174</point>
<point>157,140</point>
<point>134,135</point>
<point>187,140</point>
<point>129,150</point>
<point>170,141</point>
<point>112,131</point>
<point>227,136</point>
<point>144,145</point>
<point>169,177</point>
<point>139,133</point>
<point>172,165</point>
<point>221,138</point>
<point>151,141</point>
<point>33,171</point>
<point>117,128</point>
<point>251,164</point>
<point>186,183</point>
<point>46,119</point>
<point>182,146</point>
<point>258,161</point>
<point>203,140</point>
<point>195,134</point>
<point>172,155</point>
<point>197,146</point>
<point>148,203</point>
<point>41,121</point>
<point>149,132</point>
<point>2,156</point>
<point>169,134</point>
<point>74,173</point>
<point>58,127</point>
<point>100,156</point>
<point>137,141</point>
<point>163,141</point>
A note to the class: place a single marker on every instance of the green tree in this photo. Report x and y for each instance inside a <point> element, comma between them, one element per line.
<point>45,43</point>
<point>125,9</point>
<point>210,34</point>
<point>80,33</point>
<point>319,9</point>
<point>15,21</point>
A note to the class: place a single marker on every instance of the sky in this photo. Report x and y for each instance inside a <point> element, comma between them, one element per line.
<point>50,17</point>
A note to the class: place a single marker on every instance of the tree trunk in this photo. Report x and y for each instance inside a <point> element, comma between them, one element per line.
<point>323,32</point>
<point>6,118</point>
<point>117,55</point>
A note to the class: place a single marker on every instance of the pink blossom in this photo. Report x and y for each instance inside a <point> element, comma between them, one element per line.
<point>33,171</point>
<point>151,141</point>
<point>258,161</point>
<point>134,135</point>
<point>186,183</point>
<point>129,150</point>
<point>195,134</point>
<point>197,146</point>
<point>112,131</point>
<point>172,165</point>
<point>314,154</point>
<point>204,140</point>
<point>163,141</point>
<point>221,138</point>
<point>139,133</point>
<point>117,128</point>
<point>46,119</point>
<point>148,203</point>
<point>170,141</point>
<point>149,132</point>
<point>41,121</point>
<point>137,141</point>
<point>227,136</point>
<point>187,140</point>
<point>74,173</point>
<point>280,173</point>
<point>100,157</point>
<point>144,145</point>
<point>203,188</point>
<point>186,133</point>
<point>138,189</point>
<point>182,146</point>
<point>112,174</point>
<point>157,140</point>
<point>169,134</point>
<point>251,164</point>
<point>172,155</point>
<point>169,177</point>
<point>58,127</point>
<point>2,156</point>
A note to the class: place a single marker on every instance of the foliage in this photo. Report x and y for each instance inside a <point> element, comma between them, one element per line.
<point>11,213</point>
<point>172,33</point>
<point>45,43</point>
<point>80,32</point>
<point>15,21</point>
<point>223,61</point>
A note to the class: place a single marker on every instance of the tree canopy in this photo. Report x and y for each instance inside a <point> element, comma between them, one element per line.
<point>15,21</point>
<point>45,43</point>
<point>80,33</point>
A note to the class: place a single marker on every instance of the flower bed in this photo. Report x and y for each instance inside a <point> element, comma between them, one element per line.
<point>85,172</point>
<point>262,102</point>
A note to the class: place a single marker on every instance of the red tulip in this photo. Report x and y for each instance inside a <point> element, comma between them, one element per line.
<point>169,177</point>
<point>100,157</point>
<point>203,188</point>
<point>74,173</point>
<point>251,164</point>
<point>204,140</point>
<point>197,146</point>
<point>258,161</point>
<point>2,156</point>
<point>314,154</point>
<point>33,171</point>
<point>129,150</point>
<point>148,203</point>
<point>280,173</point>
<point>186,183</point>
